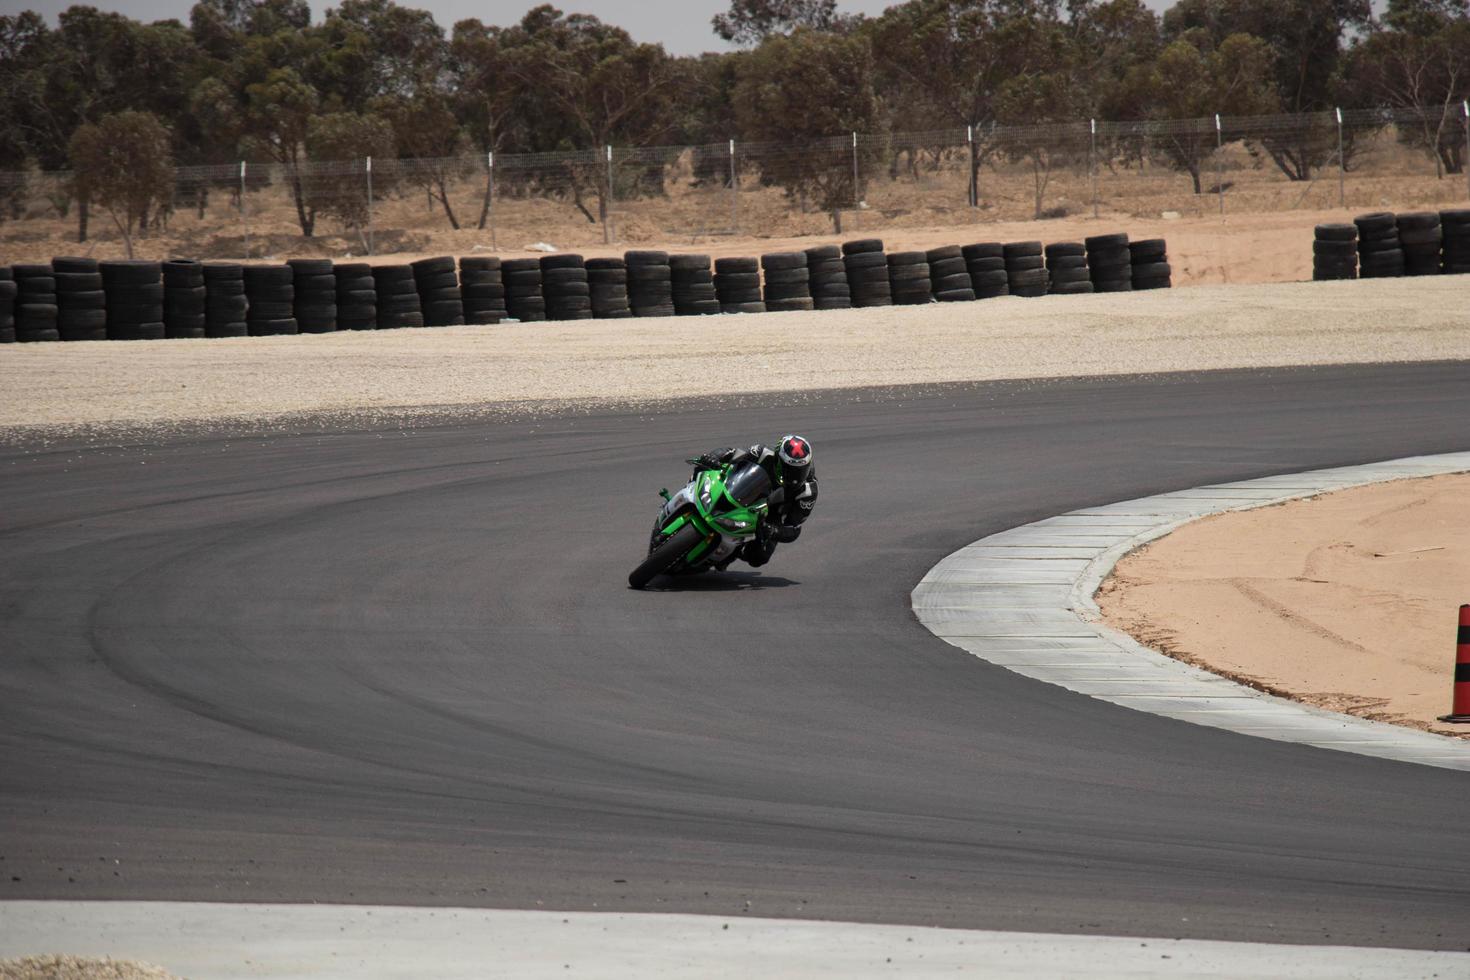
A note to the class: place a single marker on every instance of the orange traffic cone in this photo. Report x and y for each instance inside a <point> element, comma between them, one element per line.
<point>1460,711</point>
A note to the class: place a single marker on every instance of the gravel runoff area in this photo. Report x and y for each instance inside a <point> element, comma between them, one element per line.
<point>81,389</point>
<point>1348,601</point>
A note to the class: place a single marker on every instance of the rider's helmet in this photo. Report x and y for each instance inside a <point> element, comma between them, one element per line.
<point>795,454</point>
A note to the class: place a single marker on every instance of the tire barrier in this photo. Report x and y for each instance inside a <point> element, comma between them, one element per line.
<point>314,295</point>
<point>398,297</point>
<point>867,273</point>
<point>986,263</point>
<point>83,299</point>
<point>225,304</point>
<point>565,287</point>
<point>1066,269</point>
<point>1380,254</point>
<point>35,303</point>
<point>607,279</point>
<point>693,285</point>
<point>1149,260</point>
<point>270,294</point>
<point>523,298</point>
<point>184,299</point>
<point>1109,263</point>
<point>438,288</point>
<point>788,282</point>
<point>1335,252</point>
<point>827,278</point>
<point>1025,268</point>
<point>7,305</point>
<point>134,296</point>
<point>1455,249</point>
<point>357,296</point>
<point>81,303</point>
<point>738,285</point>
<point>1419,240</point>
<point>482,290</point>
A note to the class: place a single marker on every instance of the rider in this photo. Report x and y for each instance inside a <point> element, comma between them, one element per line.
<point>789,465</point>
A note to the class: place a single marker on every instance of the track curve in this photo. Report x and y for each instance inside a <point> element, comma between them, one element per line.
<point>402,667</point>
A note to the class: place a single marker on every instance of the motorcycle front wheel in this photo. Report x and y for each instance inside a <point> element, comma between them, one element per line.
<point>662,558</point>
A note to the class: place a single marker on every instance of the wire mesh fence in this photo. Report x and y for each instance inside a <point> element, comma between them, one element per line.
<point>857,182</point>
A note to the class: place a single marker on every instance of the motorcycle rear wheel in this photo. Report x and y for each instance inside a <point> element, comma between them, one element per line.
<point>662,558</point>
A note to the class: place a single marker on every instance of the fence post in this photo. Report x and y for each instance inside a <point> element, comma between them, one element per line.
<point>607,222</point>
<point>490,195</point>
<point>1466,165</point>
<point>855,193</point>
<point>244,218</point>
<point>1341,165</point>
<point>1220,164</point>
<point>369,170</point>
<point>1092,164</point>
<point>734,193</point>
<point>970,189</point>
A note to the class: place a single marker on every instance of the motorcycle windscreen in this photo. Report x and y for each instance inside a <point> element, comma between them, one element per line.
<point>748,484</point>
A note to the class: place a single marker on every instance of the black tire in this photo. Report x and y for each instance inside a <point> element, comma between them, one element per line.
<point>606,264</point>
<point>862,245</point>
<point>948,267</point>
<point>639,257</point>
<point>983,250</point>
<point>1336,233</point>
<point>777,261</point>
<point>737,266</point>
<point>1059,249</point>
<point>823,253</point>
<point>1151,270</point>
<point>662,558</point>
<point>865,260</point>
<point>1096,242</point>
<point>942,253</point>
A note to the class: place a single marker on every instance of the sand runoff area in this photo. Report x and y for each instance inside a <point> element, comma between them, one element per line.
<point>1348,601</point>
<point>82,388</point>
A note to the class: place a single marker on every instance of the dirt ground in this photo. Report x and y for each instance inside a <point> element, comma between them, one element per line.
<point>92,386</point>
<point>1348,601</point>
<point>78,968</point>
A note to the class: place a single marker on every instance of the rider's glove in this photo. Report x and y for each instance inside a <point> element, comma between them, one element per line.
<point>714,459</point>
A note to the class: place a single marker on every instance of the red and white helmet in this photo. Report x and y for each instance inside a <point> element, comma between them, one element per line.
<point>795,454</point>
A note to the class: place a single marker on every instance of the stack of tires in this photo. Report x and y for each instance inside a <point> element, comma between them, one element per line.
<point>81,303</point>
<point>1025,268</point>
<point>1110,263</point>
<point>1149,263</point>
<point>1419,239</point>
<point>788,282</point>
<point>738,285</point>
<point>1335,252</point>
<point>35,303</point>
<point>564,287</point>
<point>271,294</point>
<point>1455,257</point>
<point>314,295</point>
<point>1380,255</point>
<point>397,297</point>
<point>482,290</point>
<point>357,296</point>
<point>650,283</point>
<point>949,274</point>
<point>607,280</point>
<point>184,298</point>
<point>693,285</point>
<point>523,298</point>
<point>827,278</point>
<point>908,278</point>
<point>1066,269</point>
<point>439,295</point>
<point>7,305</point>
<point>226,309</point>
<point>867,272</point>
<point>986,264</point>
<point>134,294</point>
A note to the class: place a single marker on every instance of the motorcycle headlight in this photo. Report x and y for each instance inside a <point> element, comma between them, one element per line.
<point>704,496</point>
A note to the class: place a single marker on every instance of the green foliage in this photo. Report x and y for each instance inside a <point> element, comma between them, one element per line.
<point>124,164</point>
<point>749,22</point>
<point>341,190</point>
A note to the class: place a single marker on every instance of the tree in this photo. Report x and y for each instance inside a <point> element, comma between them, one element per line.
<point>426,131</point>
<point>337,185</point>
<point>795,93</point>
<point>1190,82</point>
<point>748,22</point>
<point>124,162</point>
<point>486,94</point>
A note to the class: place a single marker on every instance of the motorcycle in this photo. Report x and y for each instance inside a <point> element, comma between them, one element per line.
<point>703,525</point>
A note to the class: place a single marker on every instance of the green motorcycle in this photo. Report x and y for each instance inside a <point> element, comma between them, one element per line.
<point>703,525</point>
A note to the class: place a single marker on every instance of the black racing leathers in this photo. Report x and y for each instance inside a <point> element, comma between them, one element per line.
<point>782,524</point>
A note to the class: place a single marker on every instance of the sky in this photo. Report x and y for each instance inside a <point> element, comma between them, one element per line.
<point>682,26</point>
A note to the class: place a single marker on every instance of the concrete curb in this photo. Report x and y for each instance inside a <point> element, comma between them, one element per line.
<point>1023,599</point>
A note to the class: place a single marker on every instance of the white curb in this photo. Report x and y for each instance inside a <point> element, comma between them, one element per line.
<point>1023,599</point>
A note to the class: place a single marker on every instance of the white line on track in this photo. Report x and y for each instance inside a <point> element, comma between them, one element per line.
<point>1023,599</point>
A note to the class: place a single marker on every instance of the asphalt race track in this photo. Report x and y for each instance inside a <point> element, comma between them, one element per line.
<point>402,667</point>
